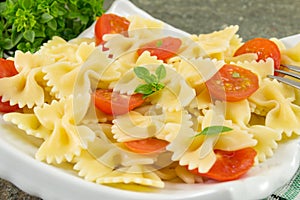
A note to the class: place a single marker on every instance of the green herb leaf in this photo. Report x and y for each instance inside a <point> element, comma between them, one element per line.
<point>152,80</point>
<point>159,43</point>
<point>145,89</point>
<point>46,17</point>
<point>236,75</point>
<point>29,35</point>
<point>26,4</point>
<point>141,72</point>
<point>212,130</point>
<point>52,24</point>
<point>26,24</point>
<point>160,72</point>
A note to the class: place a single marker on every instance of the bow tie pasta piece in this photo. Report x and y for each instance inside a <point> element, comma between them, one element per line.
<point>266,141</point>
<point>276,99</point>
<point>176,173</point>
<point>239,112</point>
<point>219,44</point>
<point>27,88</point>
<point>140,31</point>
<point>128,62</point>
<point>176,95</point>
<point>66,139</point>
<point>143,28</point>
<point>75,51</point>
<point>200,152</point>
<point>90,168</point>
<point>162,125</point>
<point>28,123</point>
<point>195,71</point>
<point>290,56</point>
<point>137,174</point>
<point>261,68</point>
<point>61,75</point>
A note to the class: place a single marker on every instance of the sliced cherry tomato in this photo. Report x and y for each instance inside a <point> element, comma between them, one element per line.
<point>110,23</point>
<point>149,145</point>
<point>114,103</point>
<point>164,48</point>
<point>7,69</point>
<point>230,165</point>
<point>232,83</point>
<point>264,48</point>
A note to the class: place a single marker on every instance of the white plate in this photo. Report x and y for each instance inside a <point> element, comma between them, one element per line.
<point>48,182</point>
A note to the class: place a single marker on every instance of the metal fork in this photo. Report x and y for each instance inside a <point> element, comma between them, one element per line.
<point>287,81</point>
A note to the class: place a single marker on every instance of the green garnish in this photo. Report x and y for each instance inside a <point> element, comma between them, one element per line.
<point>236,75</point>
<point>152,80</point>
<point>26,24</point>
<point>159,43</point>
<point>212,130</point>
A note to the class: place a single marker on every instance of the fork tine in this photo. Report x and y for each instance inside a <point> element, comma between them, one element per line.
<point>293,68</point>
<point>288,73</point>
<point>290,82</point>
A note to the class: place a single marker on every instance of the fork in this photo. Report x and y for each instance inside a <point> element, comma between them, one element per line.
<point>287,81</point>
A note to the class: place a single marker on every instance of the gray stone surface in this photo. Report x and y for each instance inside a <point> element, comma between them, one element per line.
<point>256,18</point>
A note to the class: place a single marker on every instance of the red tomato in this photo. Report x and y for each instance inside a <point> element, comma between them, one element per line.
<point>264,48</point>
<point>110,23</point>
<point>7,69</point>
<point>164,48</point>
<point>149,145</point>
<point>232,83</point>
<point>115,103</point>
<point>230,165</point>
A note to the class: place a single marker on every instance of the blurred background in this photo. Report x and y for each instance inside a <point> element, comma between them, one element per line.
<point>256,18</point>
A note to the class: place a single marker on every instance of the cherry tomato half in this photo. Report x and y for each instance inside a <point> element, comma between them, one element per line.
<point>149,145</point>
<point>164,48</point>
<point>114,103</point>
<point>230,165</point>
<point>264,48</point>
<point>232,83</point>
<point>7,69</point>
<point>110,23</point>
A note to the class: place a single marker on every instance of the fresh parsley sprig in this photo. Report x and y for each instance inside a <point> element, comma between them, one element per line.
<point>212,130</point>
<point>153,83</point>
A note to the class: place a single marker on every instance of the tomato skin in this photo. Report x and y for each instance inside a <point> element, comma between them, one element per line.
<point>109,23</point>
<point>263,47</point>
<point>163,48</point>
<point>7,69</point>
<point>114,103</point>
<point>148,145</point>
<point>232,83</point>
<point>230,165</point>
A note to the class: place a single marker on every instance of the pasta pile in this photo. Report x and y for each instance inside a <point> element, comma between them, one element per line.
<point>54,87</point>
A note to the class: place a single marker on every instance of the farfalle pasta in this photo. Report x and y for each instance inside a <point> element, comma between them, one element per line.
<point>55,89</point>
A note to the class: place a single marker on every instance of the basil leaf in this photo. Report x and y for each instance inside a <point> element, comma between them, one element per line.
<point>212,130</point>
<point>160,72</point>
<point>152,80</point>
<point>144,89</point>
<point>141,72</point>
